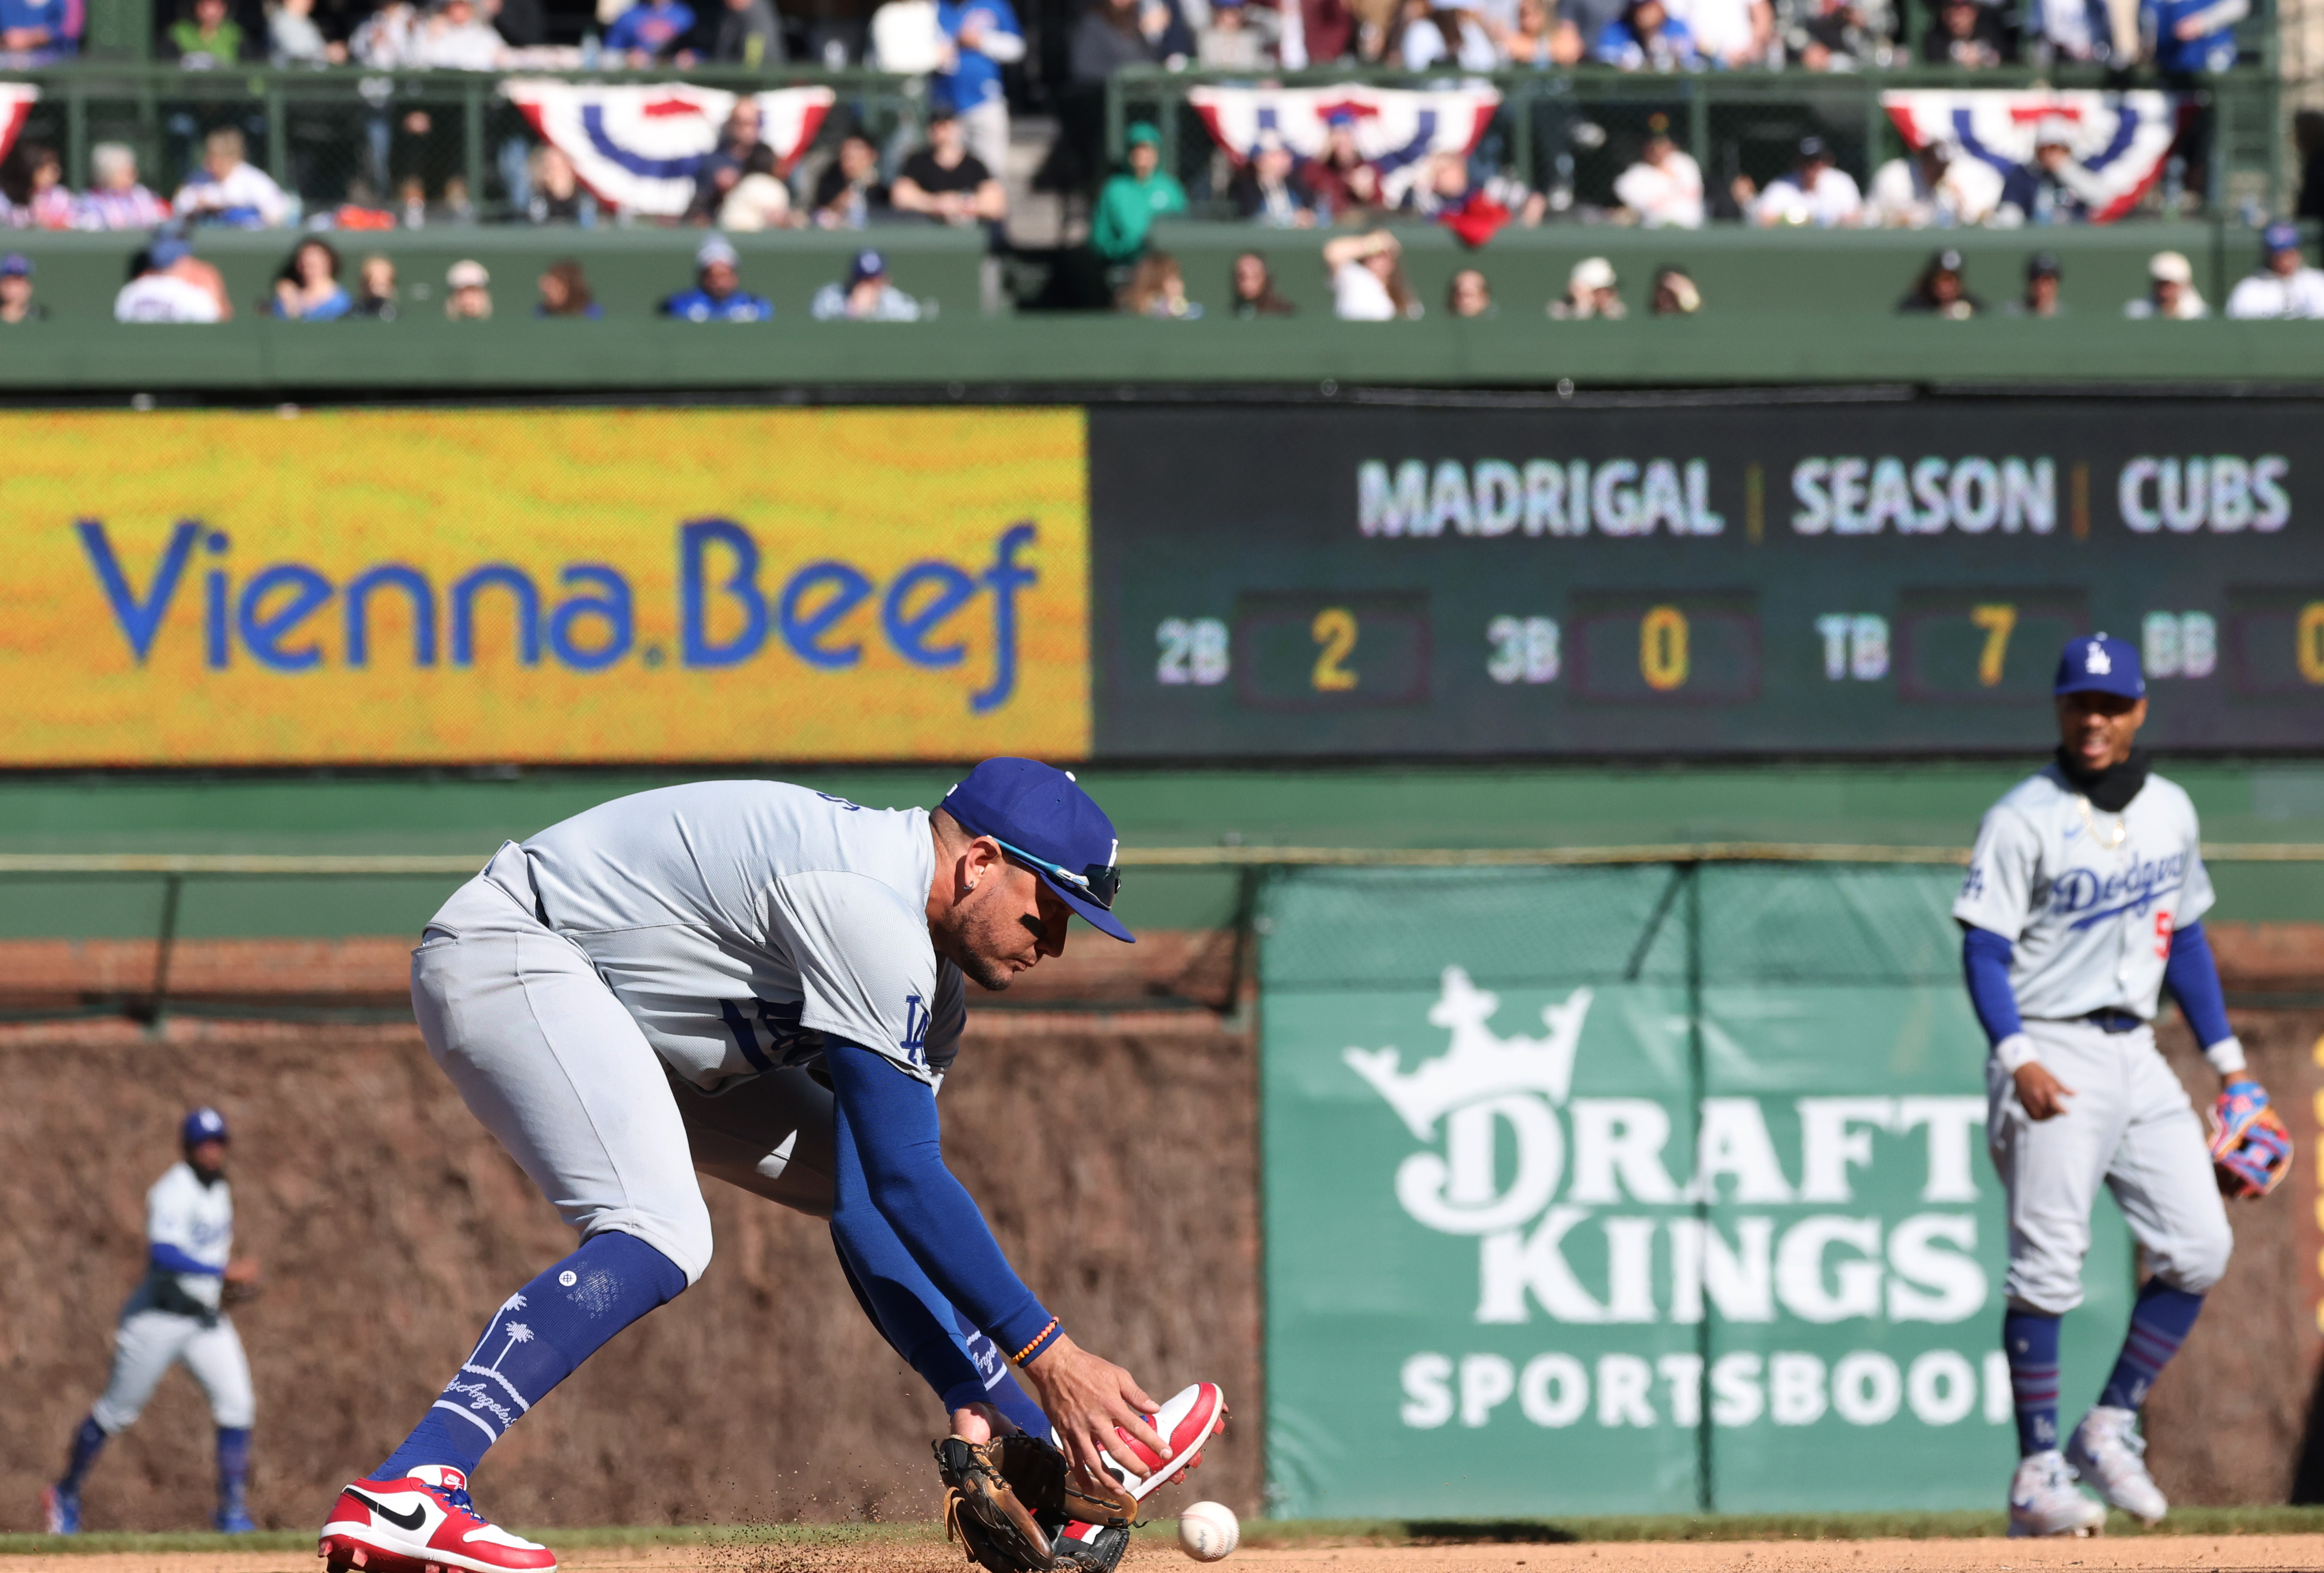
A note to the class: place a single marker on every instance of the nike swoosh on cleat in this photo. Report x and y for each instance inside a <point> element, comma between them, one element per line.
<point>402,1521</point>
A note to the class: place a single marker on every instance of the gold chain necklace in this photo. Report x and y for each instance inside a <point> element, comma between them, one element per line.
<point>2090,822</point>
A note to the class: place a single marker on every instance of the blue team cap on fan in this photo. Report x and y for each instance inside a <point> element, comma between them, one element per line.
<point>2096,664</point>
<point>1042,817</point>
<point>203,1125</point>
<point>2279,238</point>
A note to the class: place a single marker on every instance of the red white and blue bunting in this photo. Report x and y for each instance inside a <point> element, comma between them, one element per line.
<point>2119,140</point>
<point>1394,127</point>
<point>637,148</point>
<point>16,101</point>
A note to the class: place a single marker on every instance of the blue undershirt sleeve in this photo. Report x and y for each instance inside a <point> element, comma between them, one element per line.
<point>891,1161</point>
<point>2193,978</point>
<point>1984,959</point>
<point>173,1259</point>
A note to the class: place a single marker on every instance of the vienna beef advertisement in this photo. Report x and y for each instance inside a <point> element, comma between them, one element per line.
<point>539,586</point>
<point>1634,1191</point>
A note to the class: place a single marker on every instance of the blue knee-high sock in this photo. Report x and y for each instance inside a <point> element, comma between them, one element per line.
<point>2030,1340</point>
<point>233,1464</point>
<point>535,1339</point>
<point>87,1443</point>
<point>1004,1394</point>
<point>2159,1323</point>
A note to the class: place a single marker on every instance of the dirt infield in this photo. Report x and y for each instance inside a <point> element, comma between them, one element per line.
<point>840,1551</point>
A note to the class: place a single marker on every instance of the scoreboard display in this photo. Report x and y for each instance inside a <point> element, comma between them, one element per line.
<point>1699,579</point>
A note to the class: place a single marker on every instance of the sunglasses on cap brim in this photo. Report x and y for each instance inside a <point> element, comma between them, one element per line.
<point>1101,882</point>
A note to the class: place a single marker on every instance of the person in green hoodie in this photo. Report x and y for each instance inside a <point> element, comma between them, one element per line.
<point>1131,201</point>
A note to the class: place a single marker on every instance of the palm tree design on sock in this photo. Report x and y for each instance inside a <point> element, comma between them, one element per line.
<point>517,1333</point>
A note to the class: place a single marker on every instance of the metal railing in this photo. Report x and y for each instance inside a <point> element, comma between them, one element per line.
<point>1577,129</point>
<point>338,134</point>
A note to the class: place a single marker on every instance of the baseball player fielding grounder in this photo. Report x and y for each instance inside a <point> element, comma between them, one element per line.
<point>2084,899</point>
<point>176,1313</point>
<point>765,984</point>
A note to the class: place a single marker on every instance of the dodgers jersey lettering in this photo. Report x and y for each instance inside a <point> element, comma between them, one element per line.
<point>197,1220</point>
<point>2091,922</point>
<point>740,921</point>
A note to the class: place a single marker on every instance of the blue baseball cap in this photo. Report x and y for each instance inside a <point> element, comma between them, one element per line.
<point>867,264</point>
<point>2279,238</point>
<point>2100,665</point>
<point>203,1125</point>
<point>15,265</point>
<point>1041,816</point>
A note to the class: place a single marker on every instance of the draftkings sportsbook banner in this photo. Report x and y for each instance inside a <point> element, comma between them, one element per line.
<point>543,587</point>
<point>1635,1190</point>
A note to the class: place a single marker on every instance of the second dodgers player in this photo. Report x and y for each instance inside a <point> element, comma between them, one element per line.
<point>2084,899</point>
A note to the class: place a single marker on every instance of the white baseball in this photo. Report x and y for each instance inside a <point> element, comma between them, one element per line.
<point>1208,1530</point>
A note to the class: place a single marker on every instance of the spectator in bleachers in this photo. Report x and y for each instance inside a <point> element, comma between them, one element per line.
<point>1156,289</point>
<point>760,199</point>
<point>1115,33</point>
<point>1440,190</point>
<point>718,294</point>
<point>2189,37</point>
<point>2079,30</point>
<point>564,293</point>
<point>1728,32</point>
<point>1648,38</point>
<point>1240,37</point>
<point>2054,188</point>
<point>865,295</point>
<point>2044,277</point>
<point>1540,39</point>
<point>2283,285</point>
<point>1966,33</point>
<point>1424,35</point>
<point>1664,187</point>
<point>1368,282</point>
<point>849,193</point>
<point>1323,33</point>
<point>2171,294</point>
<point>173,285</point>
<point>1934,186</point>
<point>227,189</point>
<point>293,39</point>
<point>375,289</point>
<point>384,41</point>
<point>37,32</point>
<point>1345,184</point>
<point>1833,35</point>
<point>467,292</point>
<point>308,289</point>
<point>1942,291</point>
<point>650,32</point>
<point>17,306</point>
<point>1469,294</point>
<point>117,201</point>
<point>1674,294</point>
<point>721,169</point>
<point>33,194</point>
<point>207,37</point>
<point>1813,191</point>
<point>749,33</point>
<point>1252,288</point>
<point>557,196</point>
<point>1132,200</point>
<point>981,37</point>
<point>946,182</point>
<point>1592,291</point>
<point>1270,189</point>
<point>454,38</point>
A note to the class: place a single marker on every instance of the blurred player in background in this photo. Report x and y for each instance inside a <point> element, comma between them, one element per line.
<point>178,1313</point>
<point>2084,900</point>
<point>765,983</point>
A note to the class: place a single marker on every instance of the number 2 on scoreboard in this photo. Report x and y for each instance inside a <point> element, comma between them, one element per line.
<point>1997,619</point>
<point>1334,632</point>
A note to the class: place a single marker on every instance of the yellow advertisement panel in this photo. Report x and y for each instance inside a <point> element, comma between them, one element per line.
<point>543,586</point>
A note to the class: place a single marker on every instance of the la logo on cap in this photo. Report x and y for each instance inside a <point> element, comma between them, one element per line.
<point>2098,662</point>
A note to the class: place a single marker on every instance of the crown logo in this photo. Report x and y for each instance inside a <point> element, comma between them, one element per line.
<point>1478,1064</point>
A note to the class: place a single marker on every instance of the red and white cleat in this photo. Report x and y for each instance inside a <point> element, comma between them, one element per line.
<point>422,1523</point>
<point>1186,1422</point>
